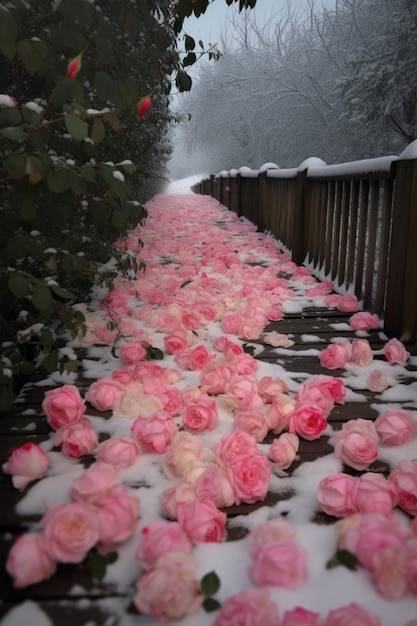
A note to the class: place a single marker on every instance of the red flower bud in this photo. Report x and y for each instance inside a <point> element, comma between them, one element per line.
<point>74,67</point>
<point>144,104</point>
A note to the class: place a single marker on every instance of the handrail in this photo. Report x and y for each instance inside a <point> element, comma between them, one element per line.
<point>353,223</point>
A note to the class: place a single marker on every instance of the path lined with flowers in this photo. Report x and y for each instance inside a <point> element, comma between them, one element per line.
<point>230,410</point>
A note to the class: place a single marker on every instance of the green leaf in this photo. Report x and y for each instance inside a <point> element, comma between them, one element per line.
<point>19,285</point>
<point>88,173</point>
<point>10,117</point>
<point>42,297</point>
<point>183,81</point>
<point>187,282</point>
<point>154,353</point>
<point>14,133</point>
<point>6,399</point>
<point>76,127</point>
<point>347,559</point>
<point>98,132</point>
<point>190,59</point>
<point>189,43</point>
<point>28,211</point>
<point>18,247</point>
<point>15,165</point>
<point>57,181</point>
<point>61,292</point>
<point>33,53</point>
<point>211,604</point>
<point>8,33</point>
<point>50,362</point>
<point>106,87</point>
<point>248,349</point>
<point>118,219</point>
<point>210,584</point>
<point>98,563</point>
<point>46,337</point>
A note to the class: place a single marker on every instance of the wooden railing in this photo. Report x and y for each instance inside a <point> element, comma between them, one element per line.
<point>353,223</point>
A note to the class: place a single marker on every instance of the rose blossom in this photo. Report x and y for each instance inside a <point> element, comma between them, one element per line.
<point>158,539</point>
<point>63,406</point>
<point>249,476</point>
<point>315,393</point>
<point>335,356</point>
<point>252,422</point>
<point>411,564</point>
<point>283,451</point>
<point>336,494</point>
<point>134,402</point>
<point>300,617</point>
<point>245,390</point>
<point>389,572</point>
<point>170,589</point>
<point>277,413</point>
<point>28,562</point>
<point>272,530</point>
<point>243,364</point>
<point>155,432</point>
<point>94,483</point>
<point>375,494</point>
<point>121,452</point>
<point>123,375</point>
<point>175,343</point>
<point>214,485</point>
<point>199,357</point>
<point>395,352</point>
<point>104,394</point>
<point>335,386</point>
<point>357,443</point>
<point>404,480</point>
<point>251,607</point>
<point>233,446</point>
<point>348,304</point>
<point>270,388</point>
<point>181,492</point>
<point>352,614</point>
<point>279,563</point>
<point>132,352</point>
<point>183,449</point>
<point>232,323</point>
<point>361,352</point>
<point>377,381</point>
<point>27,463</point>
<point>214,376</point>
<point>202,521</point>
<point>201,415</point>
<point>364,321</point>
<point>308,421</point>
<point>395,427</point>
<point>69,531</point>
<point>117,516</point>
<point>77,439</point>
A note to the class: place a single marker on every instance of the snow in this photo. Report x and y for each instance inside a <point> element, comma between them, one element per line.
<point>324,589</point>
<point>410,152</point>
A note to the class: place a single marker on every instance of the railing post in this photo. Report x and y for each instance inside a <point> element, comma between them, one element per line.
<point>298,252</point>
<point>400,319</point>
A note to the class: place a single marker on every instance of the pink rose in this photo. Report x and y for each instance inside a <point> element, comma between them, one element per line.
<point>375,494</point>
<point>348,304</point>
<point>132,352</point>
<point>172,401</point>
<point>243,364</point>
<point>277,413</point>
<point>335,386</point>
<point>175,343</point>
<point>201,416</point>
<point>245,390</point>
<point>252,422</point>
<point>202,521</point>
<point>232,323</point>
<point>63,406</point>
<point>357,443</point>
<point>335,356</point>
<point>361,352</point>
<point>336,494</point>
<point>28,462</point>
<point>169,590</point>
<point>272,530</point>
<point>316,393</point>
<point>351,615</point>
<point>271,388</point>
<point>389,572</point>
<point>199,357</point>
<point>214,376</point>
<point>134,401</point>
<point>213,484</point>
<point>121,452</point>
<point>395,427</point>
<point>283,451</point>
<point>395,352</point>
<point>234,446</point>
<point>300,617</point>
<point>123,375</point>
<point>249,476</point>
<point>411,564</point>
<point>190,320</point>
<point>364,321</point>
<point>251,607</point>
<point>155,432</point>
<point>308,421</point>
<point>28,562</point>
<point>181,492</point>
<point>77,439</point>
<point>278,563</point>
<point>158,539</point>
<point>377,381</point>
<point>404,480</point>
<point>69,532</point>
<point>95,483</point>
<point>184,448</point>
<point>104,394</point>
<point>117,516</point>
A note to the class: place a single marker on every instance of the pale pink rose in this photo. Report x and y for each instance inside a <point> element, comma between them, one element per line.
<point>63,406</point>
<point>172,375</point>
<point>243,364</point>
<point>155,385</point>
<point>134,402</point>
<point>104,394</point>
<point>181,492</point>
<point>132,352</point>
<point>334,385</point>
<point>377,381</point>
<point>251,607</point>
<point>272,530</point>
<point>77,439</point>
<point>278,412</point>
<point>351,615</point>
<point>411,564</point>
<point>336,494</point>
<point>117,516</point>
<point>194,469</point>
<point>300,617</point>
<point>155,432</point>
<point>395,427</point>
<point>201,416</point>
<point>69,532</point>
<point>357,443</point>
<point>94,483</point>
<point>375,494</point>
<point>146,369</point>
<point>335,356</point>
<point>342,526</point>
<point>280,563</point>
<point>123,375</point>
<point>278,340</point>
<point>214,485</point>
<point>252,422</point>
<point>226,345</point>
<point>364,321</point>
<point>315,393</point>
<point>404,479</point>
<point>283,451</point>
<point>245,390</point>
<point>184,448</point>
<point>307,420</point>
<point>395,352</point>
<point>202,521</point>
<point>234,446</point>
<point>190,320</point>
<point>199,357</point>
<point>251,330</point>
<point>271,388</point>
<point>172,401</point>
<point>348,304</point>
<point>389,572</point>
<point>232,323</point>
<point>214,376</point>
<point>122,452</point>
<point>373,533</point>
<point>158,539</point>
<point>249,476</point>
<point>170,589</point>
<point>28,562</point>
<point>220,343</point>
<point>361,352</point>
<point>28,462</point>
